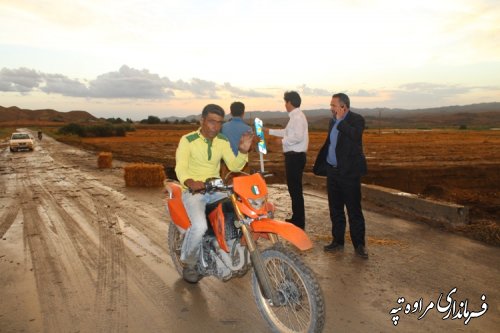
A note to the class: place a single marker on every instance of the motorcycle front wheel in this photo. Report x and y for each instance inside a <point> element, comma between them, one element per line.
<point>301,308</point>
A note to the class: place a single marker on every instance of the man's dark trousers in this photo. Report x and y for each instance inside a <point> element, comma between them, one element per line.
<point>345,191</point>
<point>294,168</point>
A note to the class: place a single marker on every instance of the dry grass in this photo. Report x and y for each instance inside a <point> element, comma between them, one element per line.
<point>104,160</point>
<point>485,231</point>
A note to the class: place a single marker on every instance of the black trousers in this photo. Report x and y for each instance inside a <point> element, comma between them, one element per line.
<point>294,168</point>
<point>346,192</point>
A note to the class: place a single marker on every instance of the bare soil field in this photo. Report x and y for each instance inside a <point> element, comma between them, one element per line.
<point>82,252</point>
<point>460,166</point>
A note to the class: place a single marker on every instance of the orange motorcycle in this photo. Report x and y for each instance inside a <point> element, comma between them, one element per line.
<point>286,291</point>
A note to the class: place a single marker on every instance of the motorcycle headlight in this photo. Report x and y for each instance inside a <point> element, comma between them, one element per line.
<point>257,203</point>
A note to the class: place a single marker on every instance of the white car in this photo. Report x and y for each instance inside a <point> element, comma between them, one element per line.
<point>21,141</point>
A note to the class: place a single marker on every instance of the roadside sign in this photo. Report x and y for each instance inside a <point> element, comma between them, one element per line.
<point>261,145</point>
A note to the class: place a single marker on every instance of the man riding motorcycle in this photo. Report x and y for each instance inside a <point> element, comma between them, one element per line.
<point>198,158</point>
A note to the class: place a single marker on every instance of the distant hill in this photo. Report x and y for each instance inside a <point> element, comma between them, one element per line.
<point>485,115</point>
<point>14,113</point>
<point>473,115</point>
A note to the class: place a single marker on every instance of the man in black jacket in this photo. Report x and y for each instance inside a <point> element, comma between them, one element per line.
<point>342,161</point>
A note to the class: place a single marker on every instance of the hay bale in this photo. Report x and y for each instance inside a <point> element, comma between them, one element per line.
<point>144,175</point>
<point>104,160</point>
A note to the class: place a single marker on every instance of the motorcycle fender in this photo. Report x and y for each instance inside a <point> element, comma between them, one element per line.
<point>286,230</point>
<point>178,214</point>
<point>175,205</point>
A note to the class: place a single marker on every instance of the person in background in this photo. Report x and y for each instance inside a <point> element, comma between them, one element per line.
<point>198,158</point>
<point>342,161</point>
<point>234,128</point>
<point>295,141</point>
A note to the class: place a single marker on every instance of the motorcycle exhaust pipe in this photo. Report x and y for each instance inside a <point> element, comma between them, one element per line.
<point>228,261</point>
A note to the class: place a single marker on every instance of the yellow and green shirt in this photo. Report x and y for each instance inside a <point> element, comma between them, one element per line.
<point>199,158</point>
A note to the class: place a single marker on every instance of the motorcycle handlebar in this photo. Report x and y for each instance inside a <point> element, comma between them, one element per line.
<point>266,174</point>
<point>213,185</point>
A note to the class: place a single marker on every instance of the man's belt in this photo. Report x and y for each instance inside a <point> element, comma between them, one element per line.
<point>294,153</point>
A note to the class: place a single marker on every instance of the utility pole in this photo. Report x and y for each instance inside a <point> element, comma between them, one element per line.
<point>379,120</point>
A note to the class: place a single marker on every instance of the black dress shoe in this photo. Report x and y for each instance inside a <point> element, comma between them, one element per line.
<point>289,220</point>
<point>333,247</point>
<point>361,252</point>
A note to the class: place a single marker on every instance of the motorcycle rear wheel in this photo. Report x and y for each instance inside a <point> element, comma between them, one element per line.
<point>302,307</point>
<point>175,239</point>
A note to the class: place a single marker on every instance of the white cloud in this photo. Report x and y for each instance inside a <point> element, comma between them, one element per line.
<point>126,83</point>
<point>129,83</point>
<point>425,94</point>
<point>60,84</point>
<point>363,93</point>
<point>198,87</point>
<point>314,91</point>
<point>427,88</point>
<point>238,92</point>
<point>20,80</point>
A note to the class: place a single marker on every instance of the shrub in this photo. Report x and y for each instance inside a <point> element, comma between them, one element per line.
<point>115,120</point>
<point>128,127</point>
<point>151,120</point>
<point>72,129</point>
<point>102,130</point>
<point>120,131</point>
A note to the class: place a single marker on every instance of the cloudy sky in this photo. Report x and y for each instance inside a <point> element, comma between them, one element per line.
<point>134,58</point>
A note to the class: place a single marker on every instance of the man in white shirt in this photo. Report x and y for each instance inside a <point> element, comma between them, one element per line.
<point>295,141</point>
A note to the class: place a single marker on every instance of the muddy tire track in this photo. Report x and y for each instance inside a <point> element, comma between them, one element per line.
<point>8,217</point>
<point>53,294</point>
<point>111,295</point>
<point>61,243</point>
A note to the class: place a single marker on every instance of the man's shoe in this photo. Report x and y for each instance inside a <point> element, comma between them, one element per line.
<point>333,247</point>
<point>190,274</point>
<point>361,252</point>
<point>289,220</point>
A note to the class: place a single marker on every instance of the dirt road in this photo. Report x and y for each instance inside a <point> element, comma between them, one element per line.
<point>80,252</point>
